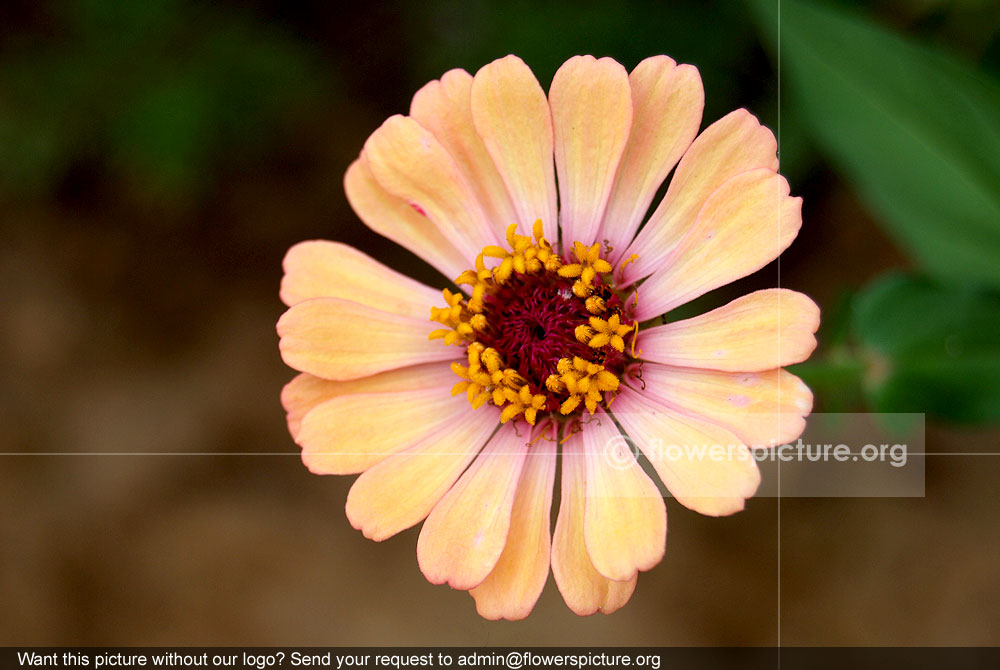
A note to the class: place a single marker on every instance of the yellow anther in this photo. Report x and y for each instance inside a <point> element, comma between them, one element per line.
<point>502,272</point>
<point>494,251</point>
<point>491,358</point>
<point>625,261</point>
<point>456,316</point>
<point>604,332</point>
<point>468,277</point>
<point>585,382</point>
<point>596,304</point>
<point>480,400</point>
<point>524,257</point>
<point>570,271</point>
<point>555,384</point>
<point>511,378</point>
<point>591,256</point>
<point>537,230</point>
<point>476,302</point>
<point>569,405</point>
<point>589,266</point>
<point>474,277</point>
<point>512,234</point>
<point>523,402</point>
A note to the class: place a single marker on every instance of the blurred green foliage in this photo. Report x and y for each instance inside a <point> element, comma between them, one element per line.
<point>934,348</point>
<point>917,132</point>
<point>162,93</point>
<point>720,39</point>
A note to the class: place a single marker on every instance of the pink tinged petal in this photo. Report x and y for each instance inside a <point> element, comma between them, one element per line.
<point>762,409</point>
<point>735,143</point>
<point>584,589</point>
<point>341,339</point>
<point>465,533</point>
<point>321,269</point>
<point>394,219</point>
<point>706,467</point>
<point>349,433</point>
<point>668,100</point>
<point>512,116</point>
<point>625,523</point>
<point>591,105</point>
<point>401,491</point>
<point>306,391</point>
<point>408,162</point>
<point>445,108</point>
<point>743,226</point>
<point>760,331</point>
<point>511,590</point>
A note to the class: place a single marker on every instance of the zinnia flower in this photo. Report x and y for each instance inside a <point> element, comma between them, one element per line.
<point>538,348</point>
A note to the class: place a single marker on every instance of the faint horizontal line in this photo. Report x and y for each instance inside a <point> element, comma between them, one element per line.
<point>371,453</point>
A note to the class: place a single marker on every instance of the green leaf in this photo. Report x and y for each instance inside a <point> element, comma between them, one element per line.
<point>933,348</point>
<point>916,132</point>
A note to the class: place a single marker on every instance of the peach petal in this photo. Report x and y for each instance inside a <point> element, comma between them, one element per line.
<point>706,467</point>
<point>348,434</point>
<point>401,491</point>
<point>743,226</point>
<point>321,269</point>
<point>306,391</point>
<point>735,143</point>
<point>763,409</point>
<point>625,523</point>
<point>408,162</point>
<point>584,589</point>
<point>511,590</point>
<point>444,107</point>
<point>465,533</point>
<point>341,339</point>
<point>760,331</point>
<point>512,116</point>
<point>393,218</point>
<point>668,100</point>
<point>591,104</point>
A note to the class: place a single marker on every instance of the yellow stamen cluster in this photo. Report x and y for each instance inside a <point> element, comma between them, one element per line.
<point>487,378</point>
<point>525,257</point>
<point>602,332</point>
<point>461,321</point>
<point>589,265</point>
<point>584,382</point>
<point>524,402</point>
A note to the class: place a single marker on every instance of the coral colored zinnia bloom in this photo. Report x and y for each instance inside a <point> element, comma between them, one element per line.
<point>458,421</point>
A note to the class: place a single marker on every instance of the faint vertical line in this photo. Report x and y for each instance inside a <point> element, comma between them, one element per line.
<point>779,337</point>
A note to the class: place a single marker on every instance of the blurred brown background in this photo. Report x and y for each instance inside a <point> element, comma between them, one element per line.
<point>158,163</point>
